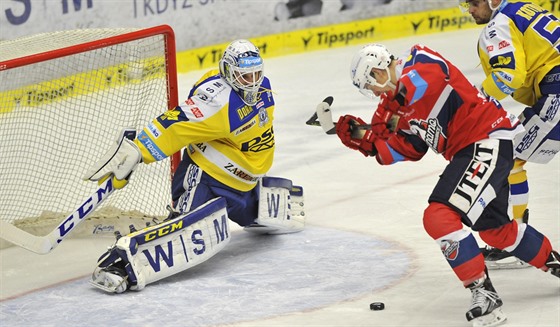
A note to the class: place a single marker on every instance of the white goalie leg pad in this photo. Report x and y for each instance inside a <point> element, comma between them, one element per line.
<point>281,207</point>
<point>539,143</point>
<point>166,249</point>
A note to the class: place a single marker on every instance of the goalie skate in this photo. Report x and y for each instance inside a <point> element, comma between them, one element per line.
<point>109,279</point>
<point>485,310</point>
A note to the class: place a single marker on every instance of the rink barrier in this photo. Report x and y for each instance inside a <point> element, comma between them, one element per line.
<point>337,35</point>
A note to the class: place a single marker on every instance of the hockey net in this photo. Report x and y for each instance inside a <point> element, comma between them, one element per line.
<point>64,96</point>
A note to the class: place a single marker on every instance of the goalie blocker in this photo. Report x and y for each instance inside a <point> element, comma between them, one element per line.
<point>180,243</point>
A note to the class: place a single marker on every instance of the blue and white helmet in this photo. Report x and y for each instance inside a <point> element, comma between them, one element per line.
<point>242,67</point>
<point>370,56</point>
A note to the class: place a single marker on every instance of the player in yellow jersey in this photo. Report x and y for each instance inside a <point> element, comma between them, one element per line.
<point>519,50</point>
<point>225,128</point>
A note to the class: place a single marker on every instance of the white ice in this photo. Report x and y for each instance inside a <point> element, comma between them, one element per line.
<point>364,241</point>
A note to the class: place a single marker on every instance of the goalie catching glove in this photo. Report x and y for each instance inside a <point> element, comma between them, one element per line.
<point>121,159</point>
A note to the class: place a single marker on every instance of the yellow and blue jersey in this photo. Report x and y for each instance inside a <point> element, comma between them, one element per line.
<point>228,139</point>
<point>517,48</point>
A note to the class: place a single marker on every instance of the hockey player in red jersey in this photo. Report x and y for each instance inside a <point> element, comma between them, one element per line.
<point>438,108</point>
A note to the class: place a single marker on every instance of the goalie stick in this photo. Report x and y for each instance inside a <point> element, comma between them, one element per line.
<point>323,117</point>
<point>45,244</point>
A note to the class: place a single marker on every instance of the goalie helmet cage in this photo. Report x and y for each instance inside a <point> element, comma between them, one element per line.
<point>64,96</point>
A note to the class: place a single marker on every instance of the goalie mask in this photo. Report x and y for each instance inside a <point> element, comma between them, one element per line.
<point>242,67</point>
<point>369,57</point>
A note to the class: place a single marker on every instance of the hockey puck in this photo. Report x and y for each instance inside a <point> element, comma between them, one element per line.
<point>375,306</point>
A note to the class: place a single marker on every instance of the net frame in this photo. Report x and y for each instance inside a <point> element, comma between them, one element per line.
<point>24,52</point>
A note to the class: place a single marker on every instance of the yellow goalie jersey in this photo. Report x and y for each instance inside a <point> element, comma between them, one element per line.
<point>226,138</point>
<point>517,48</point>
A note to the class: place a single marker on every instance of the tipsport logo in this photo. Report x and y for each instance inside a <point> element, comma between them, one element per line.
<point>329,40</point>
<point>441,24</point>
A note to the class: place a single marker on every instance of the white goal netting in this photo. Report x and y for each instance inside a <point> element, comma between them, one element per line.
<point>64,97</point>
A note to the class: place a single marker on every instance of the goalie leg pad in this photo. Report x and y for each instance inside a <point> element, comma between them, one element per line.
<point>281,207</point>
<point>541,140</point>
<point>162,250</point>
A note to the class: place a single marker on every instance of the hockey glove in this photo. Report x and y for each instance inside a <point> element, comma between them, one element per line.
<point>346,129</point>
<point>384,120</point>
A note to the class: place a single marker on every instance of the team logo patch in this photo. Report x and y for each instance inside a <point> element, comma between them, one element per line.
<point>431,132</point>
<point>504,60</point>
<point>263,117</point>
<point>170,117</point>
<point>450,249</point>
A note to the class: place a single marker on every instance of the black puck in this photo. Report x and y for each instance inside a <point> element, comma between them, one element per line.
<point>377,306</point>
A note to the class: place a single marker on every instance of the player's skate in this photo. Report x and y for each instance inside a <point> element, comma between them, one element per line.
<point>110,279</point>
<point>553,263</point>
<point>499,259</point>
<point>486,304</point>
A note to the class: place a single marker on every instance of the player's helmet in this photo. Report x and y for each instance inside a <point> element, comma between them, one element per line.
<point>242,67</point>
<point>370,56</point>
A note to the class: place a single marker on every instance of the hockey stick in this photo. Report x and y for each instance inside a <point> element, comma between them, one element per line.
<point>323,117</point>
<point>45,244</point>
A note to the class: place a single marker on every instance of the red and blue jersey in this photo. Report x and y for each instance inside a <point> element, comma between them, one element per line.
<point>440,109</point>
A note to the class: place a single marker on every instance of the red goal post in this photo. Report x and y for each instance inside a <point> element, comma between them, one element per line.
<point>64,96</point>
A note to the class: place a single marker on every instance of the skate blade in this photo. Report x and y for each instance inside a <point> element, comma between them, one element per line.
<point>494,318</point>
<point>507,263</point>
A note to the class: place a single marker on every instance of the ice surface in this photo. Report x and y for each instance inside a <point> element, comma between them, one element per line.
<point>364,243</point>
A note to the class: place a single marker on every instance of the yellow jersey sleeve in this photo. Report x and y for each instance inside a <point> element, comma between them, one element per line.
<point>516,49</point>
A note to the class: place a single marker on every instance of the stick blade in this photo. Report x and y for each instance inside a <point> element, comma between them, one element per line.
<point>21,238</point>
<point>313,120</point>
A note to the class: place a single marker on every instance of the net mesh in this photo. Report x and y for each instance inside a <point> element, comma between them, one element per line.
<point>58,116</point>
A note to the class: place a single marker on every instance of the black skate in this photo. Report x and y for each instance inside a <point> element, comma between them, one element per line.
<point>499,259</point>
<point>486,304</point>
<point>553,263</point>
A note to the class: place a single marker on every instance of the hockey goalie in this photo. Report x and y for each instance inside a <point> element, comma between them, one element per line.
<point>225,128</point>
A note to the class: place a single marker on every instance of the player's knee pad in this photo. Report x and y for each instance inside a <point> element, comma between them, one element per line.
<point>458,246</point>
<point>281,207</point>
<point>439,220</point>
<point>162,250</point>
<point>541,140</point>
